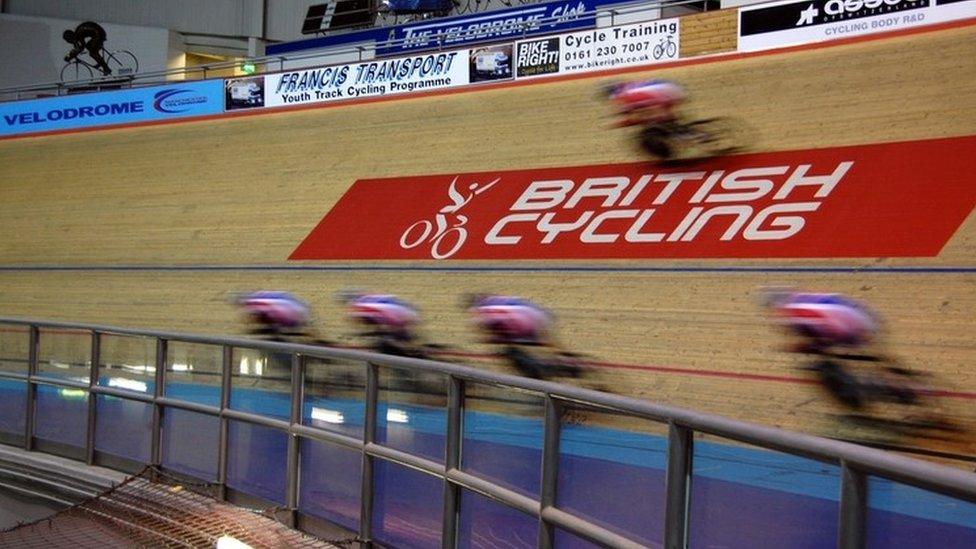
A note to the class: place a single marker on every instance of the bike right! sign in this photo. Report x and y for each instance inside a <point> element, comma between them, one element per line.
<point>603,48</point>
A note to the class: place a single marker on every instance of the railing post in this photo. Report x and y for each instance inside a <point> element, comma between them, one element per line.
<point>452,460</point>
<point>29,419</point>
<point>294,442</point>
<point>96,341</point>
<point>550,467</point>
<point>369,436</point>
<point>853,508</point>
<point>678,486</point>
<point>156,445</point>
<point>227,358</point>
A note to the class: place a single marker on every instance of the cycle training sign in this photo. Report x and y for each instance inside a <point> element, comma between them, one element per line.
<point>888,200</point>
<point>598,49</point>
<point>181,100</point>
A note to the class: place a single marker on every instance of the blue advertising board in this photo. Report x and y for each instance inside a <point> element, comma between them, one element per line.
<point>178,100</point>
<point>463,30</point>
<point>527,20</point>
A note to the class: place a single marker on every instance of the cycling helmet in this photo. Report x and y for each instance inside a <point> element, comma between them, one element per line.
<point>275,307</point>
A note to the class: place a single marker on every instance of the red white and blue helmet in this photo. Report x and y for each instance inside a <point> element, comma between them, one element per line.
<point>379,309</point>
<point>512,317</point>
<point>634,95</point>
<point>274,307</point>
<point>827,316</point>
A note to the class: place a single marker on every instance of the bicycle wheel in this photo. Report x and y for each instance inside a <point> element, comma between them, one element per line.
<point>655,143</point>
<point>407,242</point>
<point>840,384</point>
<point>74,71</point>
<point>122,62</point>
<point>523,362</point>
<point>452,245</point>
<point>672,49</point>
<point>658,51</point>
<point>719,136</point>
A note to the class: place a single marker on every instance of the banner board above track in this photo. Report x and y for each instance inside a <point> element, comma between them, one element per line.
<point>461,30</point>
<point>889,200</point>
<point>583,51</point>
<point>800,22</point>
<point>182,100</point>
<point>493,26</point>
<point>598,49</point>
<point>370,79</point>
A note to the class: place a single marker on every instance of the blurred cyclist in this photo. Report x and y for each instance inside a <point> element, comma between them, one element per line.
<point>275,315</point>
<point>515,324</point>
<point>389,320</point>
<point>88,36</point>
<point>510,320</point>
<point>837,330</point>
<point>823,321</point>
<point>648,104</point>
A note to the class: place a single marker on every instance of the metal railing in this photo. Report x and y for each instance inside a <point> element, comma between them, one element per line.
<point>273,63</point>
<point>856,463</point>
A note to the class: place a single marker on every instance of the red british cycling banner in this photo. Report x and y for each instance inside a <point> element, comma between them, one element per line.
<point>888,200</point>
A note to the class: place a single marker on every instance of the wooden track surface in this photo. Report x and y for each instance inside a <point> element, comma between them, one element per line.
<point>245,191</point>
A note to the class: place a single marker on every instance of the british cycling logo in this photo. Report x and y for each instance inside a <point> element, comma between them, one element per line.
<point>174,100</point>
<point>445,241</point>
<point>535,210</point>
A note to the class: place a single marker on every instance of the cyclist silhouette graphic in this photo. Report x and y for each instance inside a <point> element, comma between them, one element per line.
<point>437,231</point>
<point>88,36</point>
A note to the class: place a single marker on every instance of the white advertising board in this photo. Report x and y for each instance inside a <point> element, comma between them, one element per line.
<point>599,49</point>
<point>800,22</point>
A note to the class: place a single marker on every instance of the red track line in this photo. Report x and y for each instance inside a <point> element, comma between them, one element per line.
<point>662,369</point>
<point>704,373</point>
<point>705,59</point>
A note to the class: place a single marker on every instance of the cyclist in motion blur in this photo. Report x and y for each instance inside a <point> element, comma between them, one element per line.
<point>647,103</point>
<point>391,327</point>
<point>88,36</point>
<point>278,316</point>
<point>839,333</point>
<point>389,323</point>
<point>522,329</point>
<point>652,106</point>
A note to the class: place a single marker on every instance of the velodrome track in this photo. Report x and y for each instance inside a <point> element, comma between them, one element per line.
<point>156,226</point>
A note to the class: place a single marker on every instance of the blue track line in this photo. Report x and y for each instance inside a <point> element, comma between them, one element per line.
<point>486,268</point>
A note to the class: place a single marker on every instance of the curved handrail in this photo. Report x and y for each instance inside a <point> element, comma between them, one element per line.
<point>926,475</point>
<point>856,463</point>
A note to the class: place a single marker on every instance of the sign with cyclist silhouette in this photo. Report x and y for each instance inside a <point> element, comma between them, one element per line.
<point>88,58</point>
<point>598,49</point>
<point>888,200</point>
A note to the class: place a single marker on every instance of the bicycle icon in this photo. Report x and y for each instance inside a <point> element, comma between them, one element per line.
<point>121,62</point>
<point>445,241</point>
<point>666,46</point>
